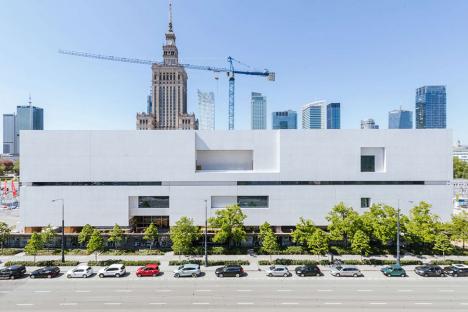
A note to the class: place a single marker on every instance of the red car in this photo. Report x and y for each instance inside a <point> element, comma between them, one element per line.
<point>148,270</point>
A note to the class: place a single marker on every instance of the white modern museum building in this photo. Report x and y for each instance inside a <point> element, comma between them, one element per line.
<point>133,178</point>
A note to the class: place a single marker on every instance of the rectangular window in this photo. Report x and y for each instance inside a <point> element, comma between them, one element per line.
<point>365,202</point>
<point>252,201</point>
<point>153,201</point>
<point>367,163</point>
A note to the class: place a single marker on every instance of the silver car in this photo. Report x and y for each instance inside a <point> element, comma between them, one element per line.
<point>189,269</point>
<point>278,270</point>
<point>346,270</point>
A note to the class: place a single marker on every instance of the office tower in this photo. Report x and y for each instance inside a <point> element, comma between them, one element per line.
<point>284,120</point>
<point>206,110</point>
<point>28,117</point>
<point>431,107</point>
<point>258,108</point>
<point>369,124</point>
<point>149,104</point>
<point>314,115</point>
<point>400,119</point>
<point>169,91</point>
<point>333,116</point>
<point>9,136</point>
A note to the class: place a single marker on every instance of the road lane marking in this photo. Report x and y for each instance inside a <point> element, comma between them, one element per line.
<point>82,291</point>
<point>284,290</point>
<point>245,303</point>
<point>157,303</point>
<point>377,303</point>
<point>405,290</point>
<point>244,290</point>
<point>112,303</point>
<point>332,303</point>
<point>25,304</point>
<point>203,290</point>
<point>364,290</point>
<point>289,303</point>
<point>324,290</point>
<point>124,290</point>
<point>446,290</point>
<point>464,303</point>
<point>42,291</point>
<point>423,303</point>
<point>163,290</point>
<point>4,291</point>
<point>201,303</point>
<point>68,304</point>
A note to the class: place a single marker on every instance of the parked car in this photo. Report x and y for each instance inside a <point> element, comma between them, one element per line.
<point>12,272</point>
<point>82,271</point>
<point>113,270</point>
<point>230,271</point>
<point>151,269</point>
<point>188,269</point>
<point>308,270</point>
<point>393,270</point>
<point>456,270</point>
<point>429,270</point>
<point>346,270</point>
<point>278,270</point>
<point>49,272</point>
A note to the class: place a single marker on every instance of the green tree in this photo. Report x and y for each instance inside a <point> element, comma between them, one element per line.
<point>85,234</point>
<point>269,241</point>
<point>317,243</point>
<point>380,222</point>
<point>460,168</point>
<point>303,231</point>
<point>95,243</point>
<point>16,167</point>
<point>183,234</point>
<point>151,234</point>
<point>34,245</point>
<point>116,235</point>
<point>343,222</point>
<point>48,234</point>
<point>458,227</point>
<point>2,169</point>
<point>5,233</point>
<point>229,223</point>
<point>361,243</point>
<point>422,226</point>
<point>442,244</point>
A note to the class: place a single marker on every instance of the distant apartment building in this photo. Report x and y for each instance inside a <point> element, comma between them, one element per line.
<point>333,116</point>
<point>206,110</point>
<point>258,111</point>
<point>321,115</point>
<point>369,124</point>
<point>9,133</point>
<point>400,119</point>
<point>284,120</point>
<point>461,151</point>
<point>431,107</point>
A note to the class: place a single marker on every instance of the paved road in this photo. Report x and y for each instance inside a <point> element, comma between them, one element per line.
<point>255,292</point>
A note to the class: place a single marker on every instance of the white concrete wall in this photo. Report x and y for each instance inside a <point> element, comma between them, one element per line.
<point>169,157</point>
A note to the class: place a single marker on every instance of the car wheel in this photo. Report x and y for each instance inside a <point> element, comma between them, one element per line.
<point>32,276</point>
<point>49,276</point>
<point>194,274</point>
<point>286,275</point>
<point>455,275</point>
<point>337,274</point>
<point>101,275</point>
<point>270,275</point>
<point>12,277</point>
<point>425,275</point>
<point>117,274</point>
<point>177,275</point>
<point>318,274</point>
<point>302,274</point>
<point>237,275</point>
<point>355,275</point>
<point>139,275</point>
<point>69,276</point>
<point>403,275</point>
<point>86,276</point>
<point>155,274</point>
<point>218,275</point>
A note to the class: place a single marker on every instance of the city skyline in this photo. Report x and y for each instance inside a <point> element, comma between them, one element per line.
<point>122,88</point>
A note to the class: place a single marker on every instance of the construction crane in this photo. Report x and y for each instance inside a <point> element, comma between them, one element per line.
<point>231,72</point>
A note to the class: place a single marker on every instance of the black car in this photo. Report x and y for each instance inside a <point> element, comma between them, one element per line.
<point>308,270</point>
<point>456,270</point>
<point>48,272</point>
<point>429,270</point>
<point>12,272</point>
<point>230,271</point>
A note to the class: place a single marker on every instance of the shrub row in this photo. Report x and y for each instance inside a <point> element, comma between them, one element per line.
<point>9,251</point>
<point>448,262</point>
<point>348,262</point>
<point>210,262</point>
<point>124,262</point>
<point>43,263</point>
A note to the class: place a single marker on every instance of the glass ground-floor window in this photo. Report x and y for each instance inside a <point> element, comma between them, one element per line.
<point>140,223</point>
<point>252,201</point>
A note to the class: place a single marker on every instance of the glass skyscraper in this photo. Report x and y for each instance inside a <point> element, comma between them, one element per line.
<point>284,120</point>
<point>333,116</point>
<point>258,108</point>
<point>400,119</point>
<point>9,135</point>
<point>28,118</point>
<point>206,110</point>
<point>431,107</point>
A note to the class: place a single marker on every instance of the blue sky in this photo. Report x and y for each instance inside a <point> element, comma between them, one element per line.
<point>368,55</point>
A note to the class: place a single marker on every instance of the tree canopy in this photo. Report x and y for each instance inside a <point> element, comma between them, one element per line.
<point>95,243</point>
<point>229,225</point>
<point>34,245</point>
<point>304,230</point>
<point>422,225</point>
<point>361,243</point>
<point>343,222</point>
<point>151,234</point>
<point>183,234</point>
<point>458,228</point>
<point>269,241</point>
<point>116,235</point>
<point>5,233</point>
<point>85,234</point>
<point>460,168</point>
<point>317,242</point>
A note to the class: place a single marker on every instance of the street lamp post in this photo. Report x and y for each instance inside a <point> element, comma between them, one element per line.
<point>63,226</point>
<point>206,233</point>
<point>398,235</point>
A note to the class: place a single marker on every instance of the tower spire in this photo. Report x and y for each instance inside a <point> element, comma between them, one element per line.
<point>30,102</point>
<point>170,15</point>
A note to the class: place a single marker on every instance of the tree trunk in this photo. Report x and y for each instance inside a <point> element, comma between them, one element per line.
<point>95,256</point>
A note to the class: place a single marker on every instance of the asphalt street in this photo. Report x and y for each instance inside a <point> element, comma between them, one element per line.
<point>254,292</point>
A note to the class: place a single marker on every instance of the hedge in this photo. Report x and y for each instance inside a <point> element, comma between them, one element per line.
<point>210,262</point>
<point>9,251</point>
<point>43,263</point>
<point>348,262</point>
<point>449,262</point>
<point>124,262</point>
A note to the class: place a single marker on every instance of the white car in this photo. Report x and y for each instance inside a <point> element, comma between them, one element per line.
<point>278,270</point>
<point>82,271</point>
<point>113,270</point>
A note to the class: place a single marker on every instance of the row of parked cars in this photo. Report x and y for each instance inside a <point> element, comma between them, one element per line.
<point>193,270</point>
